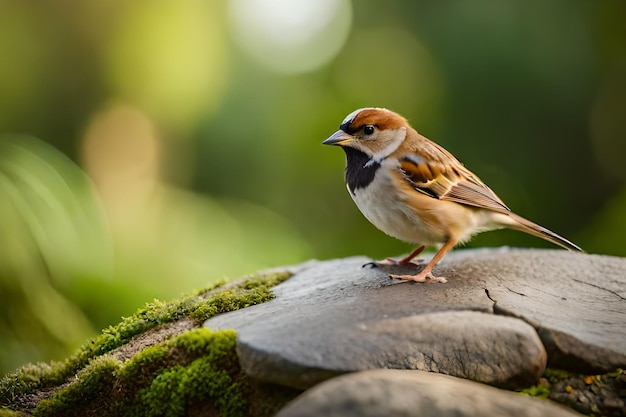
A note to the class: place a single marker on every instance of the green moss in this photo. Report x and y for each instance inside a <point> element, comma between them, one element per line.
<point>540,390</point>
<point>555,375</point>
<point>162,380</point>
<point>230,301</point>
<point>251,292</point>
<point>94,381</point>
<point>200,306</point>
<point>172,390</point>
<point>199,365</point>
<point>5,412</point>
<point>556,383</point>
<point>26,379</point>
<point>145,364</point>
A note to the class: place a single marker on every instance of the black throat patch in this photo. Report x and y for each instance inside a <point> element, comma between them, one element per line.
<point>357,175</point>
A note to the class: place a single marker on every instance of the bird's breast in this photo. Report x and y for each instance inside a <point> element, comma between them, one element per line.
<point>386,208</point>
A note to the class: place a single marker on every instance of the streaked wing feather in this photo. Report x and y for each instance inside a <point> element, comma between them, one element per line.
<point>449,182</point>
<point>473,194</point>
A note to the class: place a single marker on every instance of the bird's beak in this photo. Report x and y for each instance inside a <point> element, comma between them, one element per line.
<point>339,138</point>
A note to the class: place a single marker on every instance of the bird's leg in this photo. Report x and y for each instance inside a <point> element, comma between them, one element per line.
<point>407,260</point>
<point>427,273</point>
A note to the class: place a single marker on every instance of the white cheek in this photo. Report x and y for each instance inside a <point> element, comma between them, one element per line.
<point>396,139</point>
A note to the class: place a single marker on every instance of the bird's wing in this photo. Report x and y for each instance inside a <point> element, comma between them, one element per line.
<point>435,172</point>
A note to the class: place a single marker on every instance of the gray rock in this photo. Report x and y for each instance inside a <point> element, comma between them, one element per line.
<point>414,393</point>
<point>576,302</point>
<point>335,317</point>
<point>482,347</point>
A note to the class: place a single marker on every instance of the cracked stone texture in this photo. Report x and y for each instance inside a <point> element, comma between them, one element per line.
<point>489,323</point>
<point>414,393</point>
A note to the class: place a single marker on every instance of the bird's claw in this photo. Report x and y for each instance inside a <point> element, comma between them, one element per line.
<point>393,262</point>
<point>421,277</point>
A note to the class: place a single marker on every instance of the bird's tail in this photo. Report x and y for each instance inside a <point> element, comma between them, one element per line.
<point>529,227</point>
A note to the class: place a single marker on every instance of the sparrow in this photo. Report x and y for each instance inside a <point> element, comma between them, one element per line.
<point>414,190</point>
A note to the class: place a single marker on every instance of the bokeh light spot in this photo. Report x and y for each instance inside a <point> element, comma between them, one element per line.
<point>169,57</point>
<point>121,154</point>
<point>291,36</point>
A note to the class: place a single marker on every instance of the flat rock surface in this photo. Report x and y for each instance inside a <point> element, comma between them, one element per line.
<point>414,393</point>
<point>489,322</point>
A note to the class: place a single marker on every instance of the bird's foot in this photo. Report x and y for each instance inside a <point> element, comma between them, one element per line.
<point>421,277</point>
<point>393,262</point>
<point>406,261</point>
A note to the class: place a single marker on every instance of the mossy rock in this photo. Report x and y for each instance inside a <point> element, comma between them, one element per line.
<point>158,362</point>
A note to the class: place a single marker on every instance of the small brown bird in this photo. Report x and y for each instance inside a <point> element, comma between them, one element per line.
<point>414,190</point>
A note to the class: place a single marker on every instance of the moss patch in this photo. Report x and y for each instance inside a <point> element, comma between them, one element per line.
<point>162,375</point>
<point>5,412</point>
<point>594,395</point>
<point>161,380</point>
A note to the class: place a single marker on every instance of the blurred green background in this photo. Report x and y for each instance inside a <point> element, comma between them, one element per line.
<point>148,148</point>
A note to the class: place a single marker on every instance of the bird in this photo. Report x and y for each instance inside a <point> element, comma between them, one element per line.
<point>414,190</point>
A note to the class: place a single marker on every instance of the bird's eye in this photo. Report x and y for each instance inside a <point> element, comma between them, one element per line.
<point>368,129</point>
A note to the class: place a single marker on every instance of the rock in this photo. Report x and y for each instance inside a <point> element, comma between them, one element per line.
<point>414,393</point>
<point>487,348</point>
<point>492,349</point>
<point>335,317</point>
<point>576,302</point>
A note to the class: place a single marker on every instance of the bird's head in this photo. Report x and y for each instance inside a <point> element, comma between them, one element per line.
<point>374,131</point>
